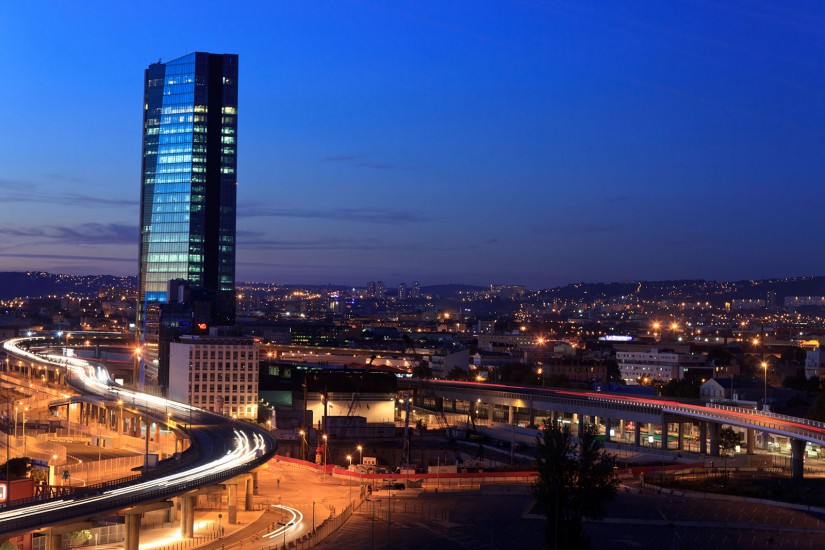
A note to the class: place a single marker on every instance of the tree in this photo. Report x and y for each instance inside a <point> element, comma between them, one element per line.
<point>17,467</point>
<point>576,478</point>
<point>817,410</point>
<point>728,440</point>
<point>422,370</point>
<point>457,374</point>
<point>78,538</point>
<point>8,545</point>
<point>614,373</point>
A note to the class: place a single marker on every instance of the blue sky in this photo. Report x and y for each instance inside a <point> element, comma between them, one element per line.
<point>531,142</point>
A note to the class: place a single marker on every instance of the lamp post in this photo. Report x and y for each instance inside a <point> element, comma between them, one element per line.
<point>25,448</point>
<point>303,435</point>
<point>360,450</point>
<point>325,438</point>
<point>120,426</point>
<point>764,365</point>
<point>349,476</point>
<point>285,525</point>
<point>372,505</point>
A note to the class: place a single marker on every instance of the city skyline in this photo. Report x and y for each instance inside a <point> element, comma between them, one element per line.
<point>532,144</point>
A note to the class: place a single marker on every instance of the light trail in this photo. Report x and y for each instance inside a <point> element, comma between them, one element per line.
<point>247,446</point>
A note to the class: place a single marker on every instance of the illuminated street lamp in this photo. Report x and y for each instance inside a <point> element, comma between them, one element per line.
<point>360,454</point>
<point>285,526</point>
<point>764,365</point>
<point>303,435</point>
<point>349,457</point>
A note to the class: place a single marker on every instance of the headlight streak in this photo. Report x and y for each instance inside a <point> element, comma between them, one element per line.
<point>98,381</point>
<point>296,519</point>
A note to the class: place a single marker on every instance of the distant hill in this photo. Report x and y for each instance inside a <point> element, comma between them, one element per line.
<point>17,284</point>
<point>452,290</point>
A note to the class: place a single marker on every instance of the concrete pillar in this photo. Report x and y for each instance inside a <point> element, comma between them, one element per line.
<point>713,432</point>
<point>187,516</point>
<point>703,438</point>
<point>491,410</point>
<point>637,435</point>
<point>750,436</point>
<point>172,513</point>
<point>680,435</point>
<point>665,430</point>
<point>607,424</point>
<point>54,542</point>
<point>132,532</point>
<point>797,459</point>
<point>510,414</point>
<point>232,509</point>
<point>532,413</point>
<point>621,429</point>
<point>254,483</point>
<point>555,417</point>
<point>249,503</point>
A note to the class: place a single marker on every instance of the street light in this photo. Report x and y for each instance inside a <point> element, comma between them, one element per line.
<point>360,450</point>
<point>325,452</point>
<point>285,525</point>
<point>372,505</point>
<point>303,444</point>
<point>349,457</point>
<point>764,365</point>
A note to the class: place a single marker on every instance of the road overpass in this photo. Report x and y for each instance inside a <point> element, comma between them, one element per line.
<point>222,451</point>
<point>612,413</point>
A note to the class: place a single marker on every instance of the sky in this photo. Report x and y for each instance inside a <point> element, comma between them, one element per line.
<point>525,142</point>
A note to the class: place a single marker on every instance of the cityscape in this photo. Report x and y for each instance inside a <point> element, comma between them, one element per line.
<point>412,275</point>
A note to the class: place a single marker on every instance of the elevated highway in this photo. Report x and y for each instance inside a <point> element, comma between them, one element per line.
<point>221,449</point>
<point>616,410</point>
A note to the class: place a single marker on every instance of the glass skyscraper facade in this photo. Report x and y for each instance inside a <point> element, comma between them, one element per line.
<point>189,183</point>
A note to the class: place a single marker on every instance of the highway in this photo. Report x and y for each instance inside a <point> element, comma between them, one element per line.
<point>221,448</point>
<point>627,407</point>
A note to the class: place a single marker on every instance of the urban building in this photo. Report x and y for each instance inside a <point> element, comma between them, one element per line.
<point>416,290</point>
<point>402,291</point>
<point>218,374</point>
<point>188,191</point>
<point>656,365</point>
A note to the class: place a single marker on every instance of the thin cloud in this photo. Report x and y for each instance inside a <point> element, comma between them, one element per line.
<point>86,233</point>
<point>261,241</point>
<point>363,161</point>
<point>67,257</point>
<point>363,215</point>
<point>569,229</point>
<point>33,192</point>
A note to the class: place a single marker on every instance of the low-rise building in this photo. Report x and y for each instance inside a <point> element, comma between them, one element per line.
<point>218,374</point>
<point>656,365</point>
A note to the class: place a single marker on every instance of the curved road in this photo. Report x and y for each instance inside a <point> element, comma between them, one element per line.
<point>221,448</point>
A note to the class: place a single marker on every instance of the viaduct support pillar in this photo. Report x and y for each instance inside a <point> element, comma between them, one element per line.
<point>254,483</point>
<point>637,434</point>
<point>132,532</point>
<point>680,435</point>
<point>665,429</point>
<point>797,458</point>
<point>173,510</point>
<point>607,429</point>
<point>713,432</point>
<point>510,415</point>
<point>187,516</point>
<point>703,438</point>
<point>750,435</point>
<point>249,505</point>
<point>232,509</point>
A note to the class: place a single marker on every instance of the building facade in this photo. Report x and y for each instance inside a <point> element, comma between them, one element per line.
<point>188,192</point>
<point>658,365</point>
<point>216,374</point>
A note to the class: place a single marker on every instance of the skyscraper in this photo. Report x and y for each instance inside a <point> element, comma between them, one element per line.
<point>189,186</point>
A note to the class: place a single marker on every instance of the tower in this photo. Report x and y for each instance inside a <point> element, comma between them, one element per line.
<point>188,191</point>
